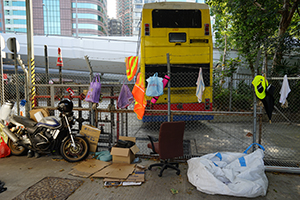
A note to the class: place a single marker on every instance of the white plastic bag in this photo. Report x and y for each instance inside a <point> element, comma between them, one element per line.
<point>155,86</point>
<point>236,174</point>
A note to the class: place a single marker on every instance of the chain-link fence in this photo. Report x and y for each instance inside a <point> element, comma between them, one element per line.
<point>281,137</point>
<point>223,122</point>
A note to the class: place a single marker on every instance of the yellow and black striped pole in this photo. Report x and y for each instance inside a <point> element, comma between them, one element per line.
<point>30,53</point>
<point>32,67</point>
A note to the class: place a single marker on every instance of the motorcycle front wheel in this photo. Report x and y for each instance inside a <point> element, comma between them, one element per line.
<point>16,149</point>
<point>74,154</point>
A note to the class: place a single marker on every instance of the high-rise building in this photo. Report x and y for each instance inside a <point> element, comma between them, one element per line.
<point>14,16</point>
<point>137,14</point>
<point>58,17</point>
<point>124,13</point>
<point>2,23</point>
<point>114,27</point>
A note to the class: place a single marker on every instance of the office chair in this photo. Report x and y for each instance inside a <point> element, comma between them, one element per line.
<point>169,145</point>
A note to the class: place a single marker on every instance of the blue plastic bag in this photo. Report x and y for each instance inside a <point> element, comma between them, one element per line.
<point>155,86</point>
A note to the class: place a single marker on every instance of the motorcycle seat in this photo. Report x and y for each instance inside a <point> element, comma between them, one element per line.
<point>24,121</point>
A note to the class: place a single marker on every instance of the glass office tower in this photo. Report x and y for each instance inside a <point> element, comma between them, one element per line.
<point>58,17</point>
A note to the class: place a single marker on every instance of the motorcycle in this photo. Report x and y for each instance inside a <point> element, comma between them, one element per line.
<point>46,136</point>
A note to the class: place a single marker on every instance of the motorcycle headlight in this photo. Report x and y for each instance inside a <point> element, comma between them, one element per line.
<point>72,120</point>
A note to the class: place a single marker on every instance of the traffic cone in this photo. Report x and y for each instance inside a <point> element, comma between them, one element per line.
<point>59,62</point>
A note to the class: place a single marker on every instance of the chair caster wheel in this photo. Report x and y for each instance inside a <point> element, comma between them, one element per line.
<point>159,175</point>
<point>177,173</point>
<point>149,167</point>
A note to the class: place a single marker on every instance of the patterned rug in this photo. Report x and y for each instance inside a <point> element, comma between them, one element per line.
<point>50,188</point>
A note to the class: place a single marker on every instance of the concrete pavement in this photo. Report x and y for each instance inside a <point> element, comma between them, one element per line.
<point>21,172</point>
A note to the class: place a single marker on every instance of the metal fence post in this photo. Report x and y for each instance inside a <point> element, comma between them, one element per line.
<point>254,102</point>
<point>169,88</point>
<point>30,50</point>
<point>91,79</point>
<point>1,66</point>
<point>14,47</point>
<point>47,70</point>
<point>27,86</point>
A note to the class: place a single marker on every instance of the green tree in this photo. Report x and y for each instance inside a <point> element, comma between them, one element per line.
<point>258,24</point>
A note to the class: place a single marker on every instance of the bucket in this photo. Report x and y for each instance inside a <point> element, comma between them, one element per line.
<point>5,110</point>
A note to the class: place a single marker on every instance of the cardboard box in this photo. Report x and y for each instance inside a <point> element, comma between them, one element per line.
<point>92,134</point>
<point>36,114</point>
<point>124,155</point>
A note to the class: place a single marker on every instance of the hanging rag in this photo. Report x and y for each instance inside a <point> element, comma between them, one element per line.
<point>138,93</point>
<point>260,84</point>
<point>131,66</point>
<point>200,86</point>
<point>285,90</point>
<point>125,97</point>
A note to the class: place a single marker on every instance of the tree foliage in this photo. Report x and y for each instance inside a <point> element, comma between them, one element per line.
<point>250,25</point>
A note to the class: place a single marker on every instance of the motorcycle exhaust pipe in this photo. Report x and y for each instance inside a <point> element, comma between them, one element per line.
<point>9,133</point>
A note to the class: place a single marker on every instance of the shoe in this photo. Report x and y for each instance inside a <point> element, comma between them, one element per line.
<point>29,154</point>
<point>2,188</point>
<point>37,155</point>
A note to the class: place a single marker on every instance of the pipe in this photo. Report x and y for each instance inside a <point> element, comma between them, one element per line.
<point>9,133</point>
<point>293,170</point>
<point>169,87</point>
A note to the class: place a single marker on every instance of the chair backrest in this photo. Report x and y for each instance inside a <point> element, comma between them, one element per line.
<point>171,139</point>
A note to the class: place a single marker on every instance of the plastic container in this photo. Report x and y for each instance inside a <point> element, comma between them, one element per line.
<point>6,110</point>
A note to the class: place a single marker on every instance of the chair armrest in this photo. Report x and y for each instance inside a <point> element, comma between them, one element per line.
<point>152,144</point>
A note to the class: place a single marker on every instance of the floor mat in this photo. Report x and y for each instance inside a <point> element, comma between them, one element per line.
<point>50,188</point>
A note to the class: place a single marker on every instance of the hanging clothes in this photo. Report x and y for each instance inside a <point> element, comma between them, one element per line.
<point>285,90</point>
<point>139,109</point>
<point>138,93</point>
<point>125,97</point>
<point>264,91</point>
<point>131,66</point>
<point>260,84</point>
<point>200,86</point>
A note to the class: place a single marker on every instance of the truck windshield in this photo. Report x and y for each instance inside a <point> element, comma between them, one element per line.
<point>176,18</point>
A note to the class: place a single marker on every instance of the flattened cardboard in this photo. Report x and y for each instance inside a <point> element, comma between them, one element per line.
<point>124,155</point>
<point>92,134</point>
<point>115,170</point>
<point>127,138</point>
<point>137,176</point>
<point>87,168</point>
